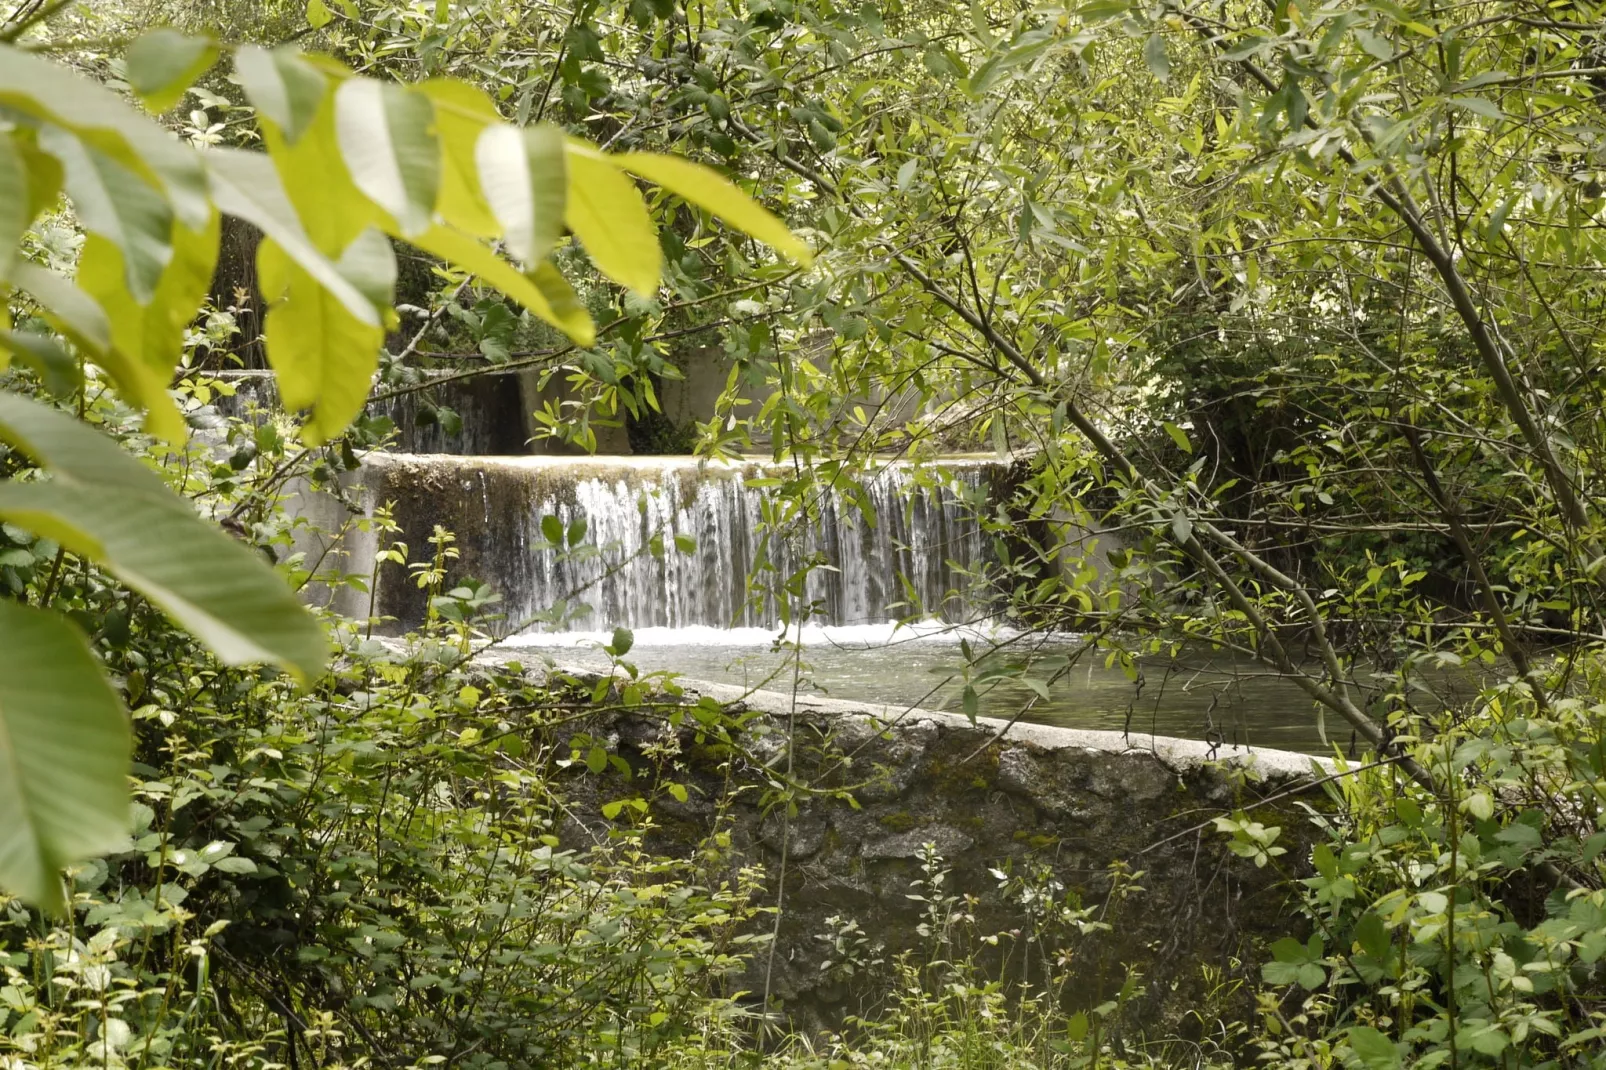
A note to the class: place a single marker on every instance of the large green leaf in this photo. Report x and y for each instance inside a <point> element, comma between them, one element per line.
<point>103,504</point>
<point>163,64</point>
<point>43,352</point>
<point>71,450</point>
<point>114,202</point>
<point>68,308</point>
<point>246,185</point>
<point>147,339</point>
<point>462,112</point>
<point>324,357</point>
<point>522,173</point>
<point>330,207</point>
<point>606,212</point>
<point>14,216</point>
<point>389,147</point>
<point>64,754</point>
<point>282,86</point>
<point>30,182</point>
<point>210,585</point>
<point>536,291</point>
<point>48,91</point>
<point>708,190</point>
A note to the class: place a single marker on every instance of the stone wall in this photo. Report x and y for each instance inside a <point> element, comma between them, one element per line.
<point>989,796</point>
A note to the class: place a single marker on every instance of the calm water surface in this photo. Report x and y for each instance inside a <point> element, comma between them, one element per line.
<point>1207,696</point>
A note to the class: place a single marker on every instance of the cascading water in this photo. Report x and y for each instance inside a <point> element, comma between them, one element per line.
<point>906,553</point>
<point>905,550</point>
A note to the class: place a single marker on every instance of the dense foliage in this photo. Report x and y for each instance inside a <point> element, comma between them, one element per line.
<point>1295,305</point>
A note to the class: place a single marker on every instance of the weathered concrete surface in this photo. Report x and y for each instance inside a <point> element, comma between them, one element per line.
<point>990,796</point>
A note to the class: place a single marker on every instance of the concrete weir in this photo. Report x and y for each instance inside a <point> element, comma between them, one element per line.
<point>1090,811</point>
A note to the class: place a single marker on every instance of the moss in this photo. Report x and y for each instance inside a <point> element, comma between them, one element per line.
<point>959,775</point>
<point>901,821</point>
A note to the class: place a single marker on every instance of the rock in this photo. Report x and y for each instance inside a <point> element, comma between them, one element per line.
<point>950,843</point>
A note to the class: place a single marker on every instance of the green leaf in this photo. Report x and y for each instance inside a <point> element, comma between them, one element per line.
<point>56,368</point>
<point>1154,54</point>
<point>1100,10</point>
<point>543,291</point>
<point>318,14</point>
<point>104,504</point>
<point>14,203</point>
<point>210,585</point>
<point>1377,47</point>
<point>112,201</point>
<point>163,64</point>
<point>281,86</point>
<point>65,752</point>
<point>462,112</point>
<point>1179,436</point>
<point>709,190</point>
<point>387,141</point>
<point>623,640</point>
<point>523,176</point>
<point>325,358</point>
<point>68,308</point>
<point>1479,106</point>
<point>147,340</point>
<point>72,450</point>
<point>552,529</point>
<point>330,208</point>
<point>606,212</point>
<point>1024,50</point>
<point>1376,1051</point>
<point>48,91</point>
<point>246,185</point>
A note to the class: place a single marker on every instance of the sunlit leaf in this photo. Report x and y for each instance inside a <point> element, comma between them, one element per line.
<point>543,291</point>
<point>57,369</point>
<point>112,201</point>
<point>104,504</point>
<point>522,174</point>
<point>68,308</point>
<point>246,185</point>
<point>709,190</point>
<point>14,216</point>
<point>462,112</point>
<point>282,86</point>
<point>147,340</point>
<point>38,87</point>
<point>210,585</point>
<point>606,212</point>
<point>64,754</point>
<point>325,358</point>
<point>387,141</point>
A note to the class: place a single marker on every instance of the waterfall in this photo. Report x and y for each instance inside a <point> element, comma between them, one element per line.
<point>904,550</point>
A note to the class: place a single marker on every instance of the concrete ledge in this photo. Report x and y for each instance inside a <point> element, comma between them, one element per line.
<point>1180,754</point>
